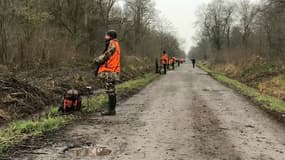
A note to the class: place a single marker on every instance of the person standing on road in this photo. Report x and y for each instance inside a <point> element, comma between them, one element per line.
<point>170,63</point>
<point>109,69</point>
<point>173,62</point>
<point>193,62</point>
<point>164,61</point>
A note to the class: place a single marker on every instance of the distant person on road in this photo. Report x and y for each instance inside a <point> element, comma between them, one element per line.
<point>173,62</point>
<point>182,60</point>
<point>170,63</point>
<point>164,61</point>
<point>193,62</point>
<point>109,69</point>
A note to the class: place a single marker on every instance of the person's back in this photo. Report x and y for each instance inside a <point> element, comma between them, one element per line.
<point>193,62</point>
<point>178,61</point>
<point>173,61</point>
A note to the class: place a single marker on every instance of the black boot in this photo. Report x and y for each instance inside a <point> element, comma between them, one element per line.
<point>111,107</point>
<point>113,104</point>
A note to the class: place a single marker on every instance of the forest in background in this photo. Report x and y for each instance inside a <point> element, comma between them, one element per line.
<point>47,32</point>
<point>245,41</point>
<point>234,28</point>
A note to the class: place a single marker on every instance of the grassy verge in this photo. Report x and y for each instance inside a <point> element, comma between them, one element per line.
<point>20,130</point>
<point>93,103</point>
<point>268,102</point>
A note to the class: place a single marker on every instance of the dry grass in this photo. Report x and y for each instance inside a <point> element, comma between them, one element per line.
<point>274,87</point>
<point>269,102</point>
<point>265,75</point>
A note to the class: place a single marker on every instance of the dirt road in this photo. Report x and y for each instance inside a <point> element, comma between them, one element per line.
<point>184,115</point>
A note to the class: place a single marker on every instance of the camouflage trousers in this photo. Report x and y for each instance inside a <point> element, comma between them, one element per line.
<point>109,79</point>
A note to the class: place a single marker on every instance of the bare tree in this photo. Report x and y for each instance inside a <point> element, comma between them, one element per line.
<point>142,12</point>
<point>251,28</point>
<point>105,8</point>
<point>247,13</point>
<point>4,18</point>
<point>217,21</point>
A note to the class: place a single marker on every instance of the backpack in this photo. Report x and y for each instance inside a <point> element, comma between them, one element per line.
<point>71,102</point>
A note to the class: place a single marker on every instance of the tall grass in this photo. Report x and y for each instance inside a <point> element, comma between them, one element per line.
<point>266,101</point>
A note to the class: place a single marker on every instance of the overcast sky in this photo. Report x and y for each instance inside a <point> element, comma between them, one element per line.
<point>182,15</point>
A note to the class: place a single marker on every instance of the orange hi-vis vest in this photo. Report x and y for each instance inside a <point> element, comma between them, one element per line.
<point>164,59</point>
<point>113,64</point>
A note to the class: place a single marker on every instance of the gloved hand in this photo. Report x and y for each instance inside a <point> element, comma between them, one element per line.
<point>105,56</point>
<point>100,60</point>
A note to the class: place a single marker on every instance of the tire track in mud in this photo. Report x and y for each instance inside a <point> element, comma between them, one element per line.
<point>253,133</point>
<point>211,142</point>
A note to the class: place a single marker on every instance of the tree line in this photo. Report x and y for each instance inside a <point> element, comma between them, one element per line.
<point>243,28</point>
<point>50,31</point>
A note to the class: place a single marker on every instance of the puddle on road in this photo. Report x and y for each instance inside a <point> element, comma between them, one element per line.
<point>88,152</point>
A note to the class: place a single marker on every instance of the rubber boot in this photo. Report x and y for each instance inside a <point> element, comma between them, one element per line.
<point>113,104</point>
<point>111,107</point>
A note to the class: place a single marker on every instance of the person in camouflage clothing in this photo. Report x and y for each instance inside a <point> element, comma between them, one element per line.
<point>109,68</point>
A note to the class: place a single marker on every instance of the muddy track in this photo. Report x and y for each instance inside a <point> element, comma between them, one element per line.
<point>182,116</point>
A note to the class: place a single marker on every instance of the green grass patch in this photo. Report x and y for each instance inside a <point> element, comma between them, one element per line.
<point>16,131</point>
<point>269,102</point>
<point>53,120</point>
<point>137,83</point>
<point>93,103</point>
